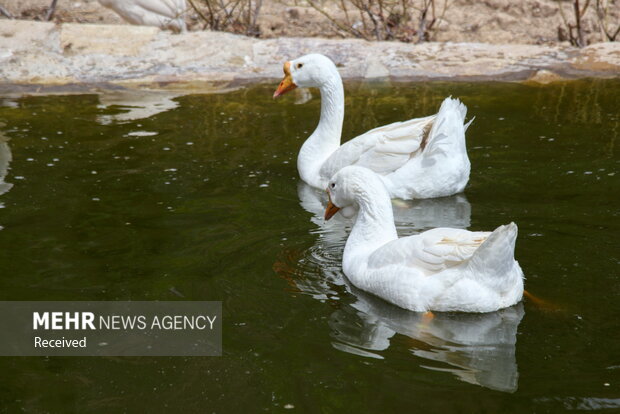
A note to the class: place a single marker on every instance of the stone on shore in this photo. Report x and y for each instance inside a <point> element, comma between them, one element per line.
<point>81,54</point>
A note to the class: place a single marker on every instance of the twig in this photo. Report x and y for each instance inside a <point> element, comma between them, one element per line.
<point>343,6</point>
<point>363,18</point>
<point>422,25</point>
<point>5,12</point>
<point>374,21</point>
<point>441,18</point>
<point>197,10</point>
<point>601,13</point>
<point>386,28</point>
<point>51,10</point>
<point>578,23</point>
<point>259,3</point>
<point>585,8</point>
<point>578,39</point>
<point>350,30</point>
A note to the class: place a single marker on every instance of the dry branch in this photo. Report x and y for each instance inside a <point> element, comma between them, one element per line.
<point>386,19</point>
<point>575,31</point>
<point>602,13</point>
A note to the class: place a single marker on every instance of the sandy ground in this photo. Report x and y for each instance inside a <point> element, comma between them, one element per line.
<point>486,21</point>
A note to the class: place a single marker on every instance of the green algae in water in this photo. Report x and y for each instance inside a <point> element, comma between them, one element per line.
<point>164,197</point>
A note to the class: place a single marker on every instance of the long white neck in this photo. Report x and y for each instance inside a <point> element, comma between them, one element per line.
<point>374,225</point>
<point>326,137</point>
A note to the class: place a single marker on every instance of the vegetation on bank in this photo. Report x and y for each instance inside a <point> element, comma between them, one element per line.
<point>579,22</point>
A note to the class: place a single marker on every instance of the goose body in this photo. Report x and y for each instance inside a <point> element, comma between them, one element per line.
<point>442,269</point>
<point>166,14</point>
<point>419,158</point>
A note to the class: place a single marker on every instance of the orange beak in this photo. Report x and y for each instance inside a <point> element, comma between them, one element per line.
<point>287,83</point>
<point>331,208</point>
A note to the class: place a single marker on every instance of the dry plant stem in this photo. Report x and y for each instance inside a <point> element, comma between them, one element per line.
<point>363,20</point>
<point>443,11</point>
<point>51,10</point>
<point>575,39</point>
<point>386,27</point>
<point>602,13</point>
<point>422,24</point>
<point>342,27</point>
<point>237,16</point>
<point>364,8</point>
<point>427,25</point>
<point>343,5</point>
<point>566,24</point>
<point>259,4</point>
<point>373,20</point>
<point>578,15</point>
<point>202,16</point>
<point>387,19</point>
<point>612,38</point>
<point>578,23</point>
<point>5,13</point>
<point>441,18</point>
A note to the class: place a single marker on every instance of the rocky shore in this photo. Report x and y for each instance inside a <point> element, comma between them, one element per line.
<point>38,56</point>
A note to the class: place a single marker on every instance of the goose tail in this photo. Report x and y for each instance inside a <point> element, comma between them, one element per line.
<point>447,135</point>
<point>494,264</point>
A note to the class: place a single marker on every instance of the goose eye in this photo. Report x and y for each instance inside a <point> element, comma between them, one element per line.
<point>333,185</point>
<point>300,65</point>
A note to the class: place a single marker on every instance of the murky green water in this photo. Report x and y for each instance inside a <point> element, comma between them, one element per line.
<point>123,197</point>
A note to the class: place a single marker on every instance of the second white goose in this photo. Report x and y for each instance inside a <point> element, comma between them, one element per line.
<point>442,269</point>
<point>419,158</point>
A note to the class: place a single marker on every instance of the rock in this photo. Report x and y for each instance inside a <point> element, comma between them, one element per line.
<point>117,40</point>
<point>544,77</point>
<point>292,13</point>
<point>24,34</point>
<point>376,70</point>
<point>599,57</point>
<point>137,56</point>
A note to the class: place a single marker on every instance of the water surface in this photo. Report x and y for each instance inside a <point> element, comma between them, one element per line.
<point>166,197</point>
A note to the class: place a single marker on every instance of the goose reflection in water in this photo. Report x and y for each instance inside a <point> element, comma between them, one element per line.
<point>476,348</point>
<point>135,105</point>
<point>5,161</point>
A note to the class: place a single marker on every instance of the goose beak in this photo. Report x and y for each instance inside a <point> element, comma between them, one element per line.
<point>331,209</point>
<point>287,83</point>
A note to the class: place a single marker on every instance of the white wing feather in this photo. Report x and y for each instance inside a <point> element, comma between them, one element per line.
<point>166,8</point>
<point>430,252</point>
<point>383,150</point>
<point>161,13</point>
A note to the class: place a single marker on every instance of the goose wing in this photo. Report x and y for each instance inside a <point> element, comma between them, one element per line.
<point>384,149</point>
<point>429,252</point>
<point>167,8</point>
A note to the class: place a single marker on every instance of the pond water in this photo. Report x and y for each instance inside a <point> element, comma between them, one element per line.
<point>135,196</point>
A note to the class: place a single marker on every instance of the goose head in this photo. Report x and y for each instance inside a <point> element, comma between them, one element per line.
<point>309,71</point>
<point>351,187</point>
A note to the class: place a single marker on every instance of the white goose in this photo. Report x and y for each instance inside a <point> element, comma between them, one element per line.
<point>165,14</point>
<point>442,269</point>
<point>418,158</point>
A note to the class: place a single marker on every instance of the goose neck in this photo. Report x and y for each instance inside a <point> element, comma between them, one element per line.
<point>375,221</point>
<point>332,109</point>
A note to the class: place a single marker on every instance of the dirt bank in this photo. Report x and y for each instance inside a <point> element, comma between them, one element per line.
<point>490,21</point>
<point>37,53</point>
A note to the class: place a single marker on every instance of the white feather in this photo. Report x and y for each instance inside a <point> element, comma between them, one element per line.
<point>442,269</point>
<point>419,158</point>
<point>166,14</point>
